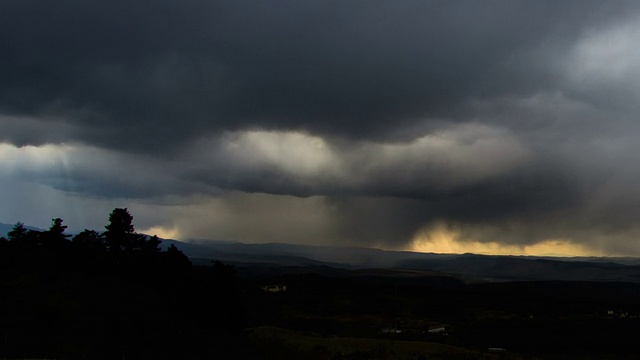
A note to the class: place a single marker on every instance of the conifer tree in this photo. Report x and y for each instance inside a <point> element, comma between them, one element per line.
<point>120,234</point>
<point>55,236</point>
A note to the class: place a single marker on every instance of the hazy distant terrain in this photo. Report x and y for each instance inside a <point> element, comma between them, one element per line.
<point>471,266</point>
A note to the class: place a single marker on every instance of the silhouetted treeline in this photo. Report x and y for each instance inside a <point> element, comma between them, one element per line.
<point>112,294</point>
<point>119,246</point>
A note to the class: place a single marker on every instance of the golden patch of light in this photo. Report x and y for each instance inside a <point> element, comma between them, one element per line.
<point>440,239</point>
<point>163,232</point>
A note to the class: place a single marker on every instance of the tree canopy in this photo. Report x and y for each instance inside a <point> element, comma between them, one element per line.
<point>118,244</point>
<point>109,294</point>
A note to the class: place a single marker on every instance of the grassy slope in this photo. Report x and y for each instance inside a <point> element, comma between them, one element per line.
<point>278,343</point>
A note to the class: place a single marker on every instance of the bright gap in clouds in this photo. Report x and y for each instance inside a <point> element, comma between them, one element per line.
<point>440,238</point>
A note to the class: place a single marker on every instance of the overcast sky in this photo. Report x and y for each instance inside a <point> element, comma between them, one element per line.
<point>446,126</point>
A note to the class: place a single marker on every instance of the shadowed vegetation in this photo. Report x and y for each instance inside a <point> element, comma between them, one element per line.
<point>119,294</point>
<point>113,294</point>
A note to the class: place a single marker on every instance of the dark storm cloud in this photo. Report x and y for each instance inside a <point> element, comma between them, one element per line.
<point>22,131</point>
<point>151,75</point>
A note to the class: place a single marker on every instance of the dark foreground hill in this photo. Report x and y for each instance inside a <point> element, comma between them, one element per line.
<point>65,304</point>
<point>374,304</point>
<point>490,320</point>
<point>120,294</point>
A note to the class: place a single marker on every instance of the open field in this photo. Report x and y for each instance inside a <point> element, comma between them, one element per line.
<point>546,320</point>
<point>278,343</point>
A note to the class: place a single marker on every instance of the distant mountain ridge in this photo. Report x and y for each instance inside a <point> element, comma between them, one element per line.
<point>5,228</point>
<point>470,266</point>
